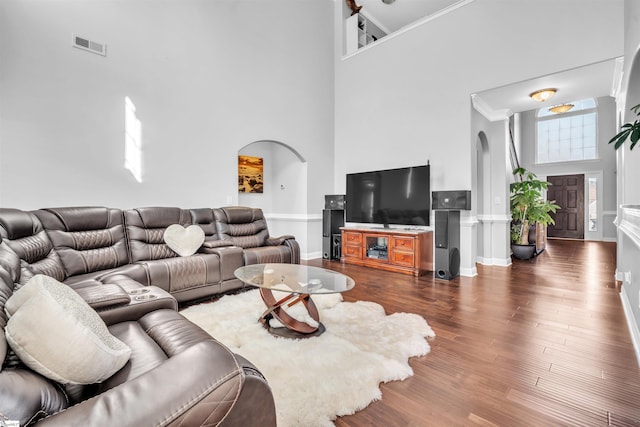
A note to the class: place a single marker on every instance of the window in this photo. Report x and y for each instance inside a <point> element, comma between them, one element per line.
<point>132,140</point>
<point>593,203</point>
<point>569,136</point>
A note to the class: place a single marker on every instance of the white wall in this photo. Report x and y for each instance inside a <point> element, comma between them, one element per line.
<point>407,100</point>
<point>207,78</point>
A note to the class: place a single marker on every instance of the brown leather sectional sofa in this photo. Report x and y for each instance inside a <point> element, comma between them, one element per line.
<point>117,261</point>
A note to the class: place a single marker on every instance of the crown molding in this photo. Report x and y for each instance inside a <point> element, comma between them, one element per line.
<point>618,73</point>
<point>489,113</point>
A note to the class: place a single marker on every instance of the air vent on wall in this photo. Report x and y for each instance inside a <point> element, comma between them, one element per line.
<point>89,45</point>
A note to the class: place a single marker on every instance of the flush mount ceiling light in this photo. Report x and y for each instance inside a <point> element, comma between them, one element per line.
<point>562,108</point>
<point>388,1</point>
<point>543,94</point>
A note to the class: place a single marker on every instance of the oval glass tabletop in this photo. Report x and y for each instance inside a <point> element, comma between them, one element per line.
<point>295,278</point>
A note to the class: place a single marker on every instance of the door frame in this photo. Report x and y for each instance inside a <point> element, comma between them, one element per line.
<point>598,174</point>
<point>593,235</point>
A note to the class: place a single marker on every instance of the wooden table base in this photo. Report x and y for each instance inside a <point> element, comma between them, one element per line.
<point>293,328</point>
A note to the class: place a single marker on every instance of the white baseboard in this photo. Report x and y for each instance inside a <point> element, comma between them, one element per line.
<point>501,262</point>
<point>311,255</point>
<point>631,322</point>
<point>469,272</point>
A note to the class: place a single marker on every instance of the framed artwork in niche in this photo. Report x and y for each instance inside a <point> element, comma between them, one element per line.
<point>250,174</point>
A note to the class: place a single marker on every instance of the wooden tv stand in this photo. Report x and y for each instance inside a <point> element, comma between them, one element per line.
<point>403,251</point>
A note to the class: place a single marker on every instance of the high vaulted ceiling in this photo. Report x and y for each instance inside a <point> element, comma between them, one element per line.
<point>593,80</point>
<point>589,81</point>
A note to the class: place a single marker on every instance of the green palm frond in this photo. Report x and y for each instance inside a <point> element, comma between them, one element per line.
<point>629,131</point>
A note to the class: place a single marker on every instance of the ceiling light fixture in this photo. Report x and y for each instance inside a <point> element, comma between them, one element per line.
<point>543,94</point>
<point>388,1</point>
<point>562,108</point>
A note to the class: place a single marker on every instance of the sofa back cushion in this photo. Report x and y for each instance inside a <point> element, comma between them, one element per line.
<point>23,232</point>
<point>145,230</point>
<point>87,239</point>
<point>24,395</point>
<point>205,219</point>
<point>244,226</point>
<point>6,290</point>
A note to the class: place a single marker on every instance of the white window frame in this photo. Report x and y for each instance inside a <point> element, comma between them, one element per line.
<point>563,115</point>
<point>593,235</point>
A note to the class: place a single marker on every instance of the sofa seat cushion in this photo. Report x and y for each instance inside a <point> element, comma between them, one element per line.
<point>153,339</point>
<point>57,334</point>
<point>267,255</point>
<point>184,274</point>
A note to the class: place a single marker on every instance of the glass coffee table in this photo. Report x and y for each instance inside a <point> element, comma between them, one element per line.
<point>298,282</point>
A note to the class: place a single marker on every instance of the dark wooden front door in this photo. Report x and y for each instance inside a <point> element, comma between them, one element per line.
<point>568,192</point>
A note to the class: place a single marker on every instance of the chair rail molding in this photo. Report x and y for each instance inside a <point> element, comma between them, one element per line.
<point>494,218</point>
<point>294,217</point>
<point>629,222</point>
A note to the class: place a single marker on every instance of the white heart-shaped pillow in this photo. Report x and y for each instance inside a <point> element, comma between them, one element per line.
<point>184,241</point>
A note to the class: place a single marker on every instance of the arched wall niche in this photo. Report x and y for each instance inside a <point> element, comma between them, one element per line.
<point>483,181</point>
<point>285,178</point>
<point>482,191</point>
<point>633,88</point>
<point>631,159</point>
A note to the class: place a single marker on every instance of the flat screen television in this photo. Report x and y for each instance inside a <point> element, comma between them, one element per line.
<point>393,196</point>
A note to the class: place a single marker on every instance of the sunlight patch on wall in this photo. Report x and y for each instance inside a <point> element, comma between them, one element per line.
<point>132,140</point>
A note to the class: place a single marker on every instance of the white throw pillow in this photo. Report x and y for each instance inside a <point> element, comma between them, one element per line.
<point>184,241</point>
<point>57,334</point>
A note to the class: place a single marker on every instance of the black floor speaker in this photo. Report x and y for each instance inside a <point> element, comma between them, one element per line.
<point>332,220</point>
<point>447,243</point>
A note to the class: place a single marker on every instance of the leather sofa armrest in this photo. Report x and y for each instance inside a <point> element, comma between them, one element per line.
<point>101,296</point>
<point>118,298</point>
<point>134,272</point>
<point>142,300</point>
<point>277,241</point>
<point>212,244</point>
<point>288,241</point>
<point>205,395</point>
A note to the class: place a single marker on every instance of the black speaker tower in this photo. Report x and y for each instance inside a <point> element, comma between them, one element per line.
<point>332,220</point>
<point>447,243</point>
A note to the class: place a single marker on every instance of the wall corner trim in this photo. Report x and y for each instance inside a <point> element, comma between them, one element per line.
<point>633,326</point>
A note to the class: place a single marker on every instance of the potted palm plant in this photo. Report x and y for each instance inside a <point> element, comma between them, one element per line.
<point>528,208</point>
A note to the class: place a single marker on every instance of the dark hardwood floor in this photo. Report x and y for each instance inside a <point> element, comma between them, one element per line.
<point>540,343</point>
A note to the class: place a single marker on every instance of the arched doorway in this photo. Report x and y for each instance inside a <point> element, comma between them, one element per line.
<point>284,196</point>
<point>284,175</point>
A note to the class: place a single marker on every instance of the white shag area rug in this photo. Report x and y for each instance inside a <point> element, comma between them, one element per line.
<point>315,380</point>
